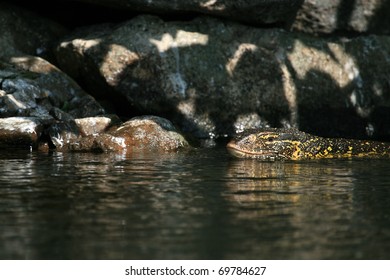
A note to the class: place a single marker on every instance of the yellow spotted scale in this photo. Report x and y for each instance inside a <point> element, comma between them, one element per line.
<point>292,144</point>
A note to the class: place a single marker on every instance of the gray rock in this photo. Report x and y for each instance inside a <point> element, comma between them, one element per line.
<point>250,11</point>
<point>35,90</point>
<point>362,16</point>
<point>61,134</point>
<point>214,78</point>
<point>20,132</point>
<point>32,87</point>
<point>23,32</point>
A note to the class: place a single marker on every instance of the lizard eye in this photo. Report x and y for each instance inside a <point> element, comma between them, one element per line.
<point>271,139</point>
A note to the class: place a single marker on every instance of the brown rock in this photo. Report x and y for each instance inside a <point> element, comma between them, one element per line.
<point>93,125</point>
<point>150,133</point>
<point>141,134</point>
<point>20,132</point>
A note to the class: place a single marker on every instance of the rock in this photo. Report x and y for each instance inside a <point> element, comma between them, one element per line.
<point>22,32</point>
<point>212,77</point>
<point>150,133</point>
<point>20,132</point>
<point>95,125</point>
<point>140,134</point>
<point>362,16</point>
<point>250,11</point>
<point>100,143</point>
<point>32,87</point>
<point>61,134</point>
<point>56,87</point>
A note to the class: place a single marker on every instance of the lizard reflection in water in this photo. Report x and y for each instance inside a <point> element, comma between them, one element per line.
<point>292,144</point>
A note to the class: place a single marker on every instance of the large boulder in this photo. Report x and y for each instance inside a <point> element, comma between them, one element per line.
<point>339,16</point>
<point>250,11</point>
<point>213,77</point>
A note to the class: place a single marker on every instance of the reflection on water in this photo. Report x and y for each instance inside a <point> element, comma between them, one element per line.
<point>202,205</point>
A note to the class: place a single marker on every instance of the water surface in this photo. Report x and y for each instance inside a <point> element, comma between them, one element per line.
<point>203,205</point>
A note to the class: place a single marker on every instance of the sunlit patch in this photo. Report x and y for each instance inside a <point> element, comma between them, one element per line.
<point>252,138</point>
<point>269,137</point>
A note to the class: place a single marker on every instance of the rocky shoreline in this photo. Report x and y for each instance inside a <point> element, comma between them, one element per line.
<point>232,65</point>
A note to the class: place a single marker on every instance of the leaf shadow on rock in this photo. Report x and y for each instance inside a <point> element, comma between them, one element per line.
<point>366,96</point>
<point>344,13</point>
<point>343,106</point>
<point>203,86</point>
<point>211,88</point>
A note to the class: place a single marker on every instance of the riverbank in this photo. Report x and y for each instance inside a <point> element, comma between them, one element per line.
<point>212,68</point>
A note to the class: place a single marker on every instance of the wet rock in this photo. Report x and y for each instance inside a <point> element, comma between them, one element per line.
<point>150,133</point>
<point>32,87</point>
<point>318,16</point>
<point>22,32</point>
<point>250,11</point>
<point>61,134</point>
<point>20,132</point>
<point>100,143</point>
<point>95,125</point>
<point>140,134</point>
<point>213,77</point>
<point>60,115</point>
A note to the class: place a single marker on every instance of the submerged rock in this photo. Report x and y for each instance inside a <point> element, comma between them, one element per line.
<point>140,134</point>
<point>212,77</point>
<point>20,132</point>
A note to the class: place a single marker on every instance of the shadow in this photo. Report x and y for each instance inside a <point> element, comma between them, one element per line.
<point>192,98</point>
<point>246,194</point>
<point>376,21</point>
<point>207,88</point>
<point>344,13</point>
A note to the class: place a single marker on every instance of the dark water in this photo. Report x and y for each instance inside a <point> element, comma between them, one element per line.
<point>204,205</point>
